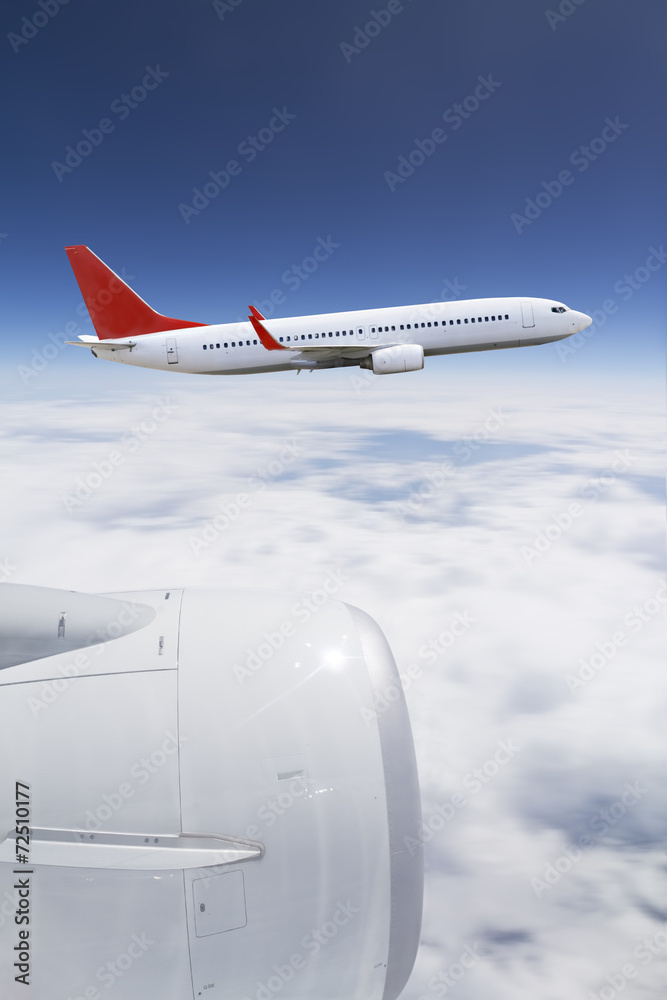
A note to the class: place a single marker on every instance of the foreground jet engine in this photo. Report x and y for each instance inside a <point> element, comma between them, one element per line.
<point>218,786</point>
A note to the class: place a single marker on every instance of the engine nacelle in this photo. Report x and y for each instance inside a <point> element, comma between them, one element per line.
<point>222,798</point>
<point>392,360</point>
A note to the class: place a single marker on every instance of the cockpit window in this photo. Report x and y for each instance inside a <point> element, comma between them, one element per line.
<point>558,309</point>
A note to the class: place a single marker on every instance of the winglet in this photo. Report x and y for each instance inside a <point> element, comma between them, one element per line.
<point>115,309</point>
<point>269,342</point>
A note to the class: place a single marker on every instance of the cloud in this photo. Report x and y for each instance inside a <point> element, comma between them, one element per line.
<point>427,503</point>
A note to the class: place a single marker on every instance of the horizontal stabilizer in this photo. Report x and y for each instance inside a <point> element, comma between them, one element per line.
<point>104,345</point>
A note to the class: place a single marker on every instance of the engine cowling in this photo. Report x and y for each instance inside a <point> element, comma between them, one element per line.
<point>220,791</point>
<point>401,358</point>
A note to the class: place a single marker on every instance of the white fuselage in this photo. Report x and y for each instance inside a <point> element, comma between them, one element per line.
<point>340,339</point>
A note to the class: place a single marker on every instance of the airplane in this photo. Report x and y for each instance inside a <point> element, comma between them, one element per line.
<point>204,793</point>
<point>384,340</point>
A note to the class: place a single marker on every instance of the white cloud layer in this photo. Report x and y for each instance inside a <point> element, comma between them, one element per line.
<point>436,494</point>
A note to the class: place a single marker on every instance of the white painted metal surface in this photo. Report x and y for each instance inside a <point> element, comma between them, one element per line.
<point>224,819</point>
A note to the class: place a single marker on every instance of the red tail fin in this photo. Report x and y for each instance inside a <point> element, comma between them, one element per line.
<point>116,311</point>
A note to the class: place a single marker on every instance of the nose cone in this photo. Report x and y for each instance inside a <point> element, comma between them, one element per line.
<point>580,321</point>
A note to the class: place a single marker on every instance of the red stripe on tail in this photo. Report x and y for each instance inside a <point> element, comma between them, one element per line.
<point>116,310</point>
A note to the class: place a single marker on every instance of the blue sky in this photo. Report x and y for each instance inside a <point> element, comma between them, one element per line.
<point>446,229</point>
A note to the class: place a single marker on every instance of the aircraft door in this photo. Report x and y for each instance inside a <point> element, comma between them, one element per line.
<point>172,352</point>
<point>527,317</point>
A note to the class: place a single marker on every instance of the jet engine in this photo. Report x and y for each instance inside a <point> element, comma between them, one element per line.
<point>203,793</point>
<point>392,360</point>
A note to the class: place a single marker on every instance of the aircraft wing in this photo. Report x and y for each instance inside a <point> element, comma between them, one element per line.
<point>311,352</point>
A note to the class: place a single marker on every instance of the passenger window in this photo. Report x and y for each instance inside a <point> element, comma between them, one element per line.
<point>310,336</point>
<point>204,346</point>
<point>226,345</point>
<point>458,321</point>
<point>506,316</point>
<point>472,320</point>
<point>465,320</point>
